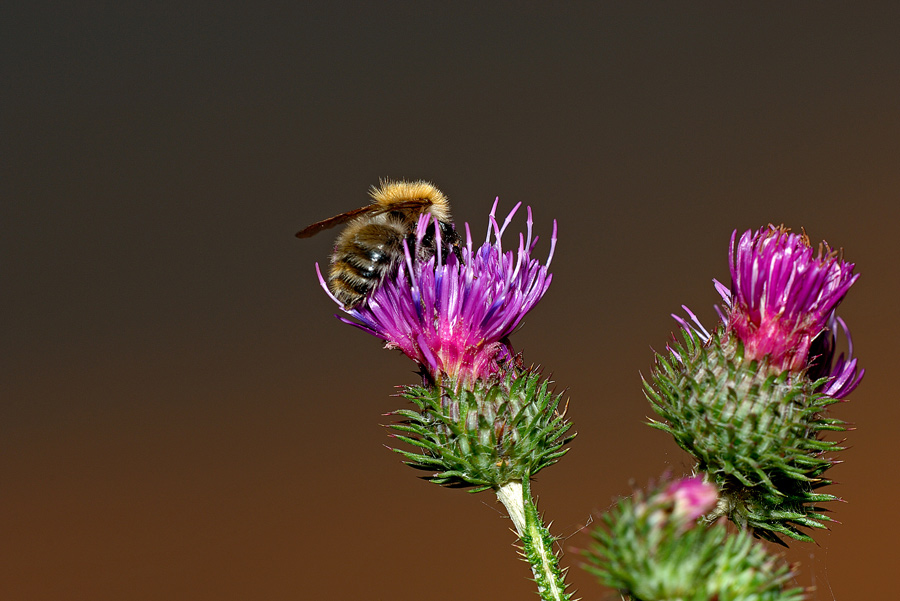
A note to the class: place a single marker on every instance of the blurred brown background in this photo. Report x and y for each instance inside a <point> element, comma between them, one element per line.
<point>183,418</point>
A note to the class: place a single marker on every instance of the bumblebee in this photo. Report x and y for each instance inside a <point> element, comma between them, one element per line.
<point>370,247</point>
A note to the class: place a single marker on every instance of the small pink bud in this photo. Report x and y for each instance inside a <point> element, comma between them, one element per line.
<point>692,497</point>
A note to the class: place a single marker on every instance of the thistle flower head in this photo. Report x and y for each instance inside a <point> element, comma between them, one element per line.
<point>453,316</point>
<point>783,294</point>
<point>748,400</point>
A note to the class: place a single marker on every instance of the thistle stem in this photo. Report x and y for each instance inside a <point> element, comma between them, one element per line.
<point>537,543</point>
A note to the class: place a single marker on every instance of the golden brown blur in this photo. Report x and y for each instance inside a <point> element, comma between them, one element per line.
<point>183,418</point>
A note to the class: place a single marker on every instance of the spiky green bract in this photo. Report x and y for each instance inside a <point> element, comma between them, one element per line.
<point>646,553</point>
<point>755,432</point>
<point>486,436</point>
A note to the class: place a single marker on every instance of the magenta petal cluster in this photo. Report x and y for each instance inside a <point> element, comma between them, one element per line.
<point>453,317</point>
<point>783,294</point>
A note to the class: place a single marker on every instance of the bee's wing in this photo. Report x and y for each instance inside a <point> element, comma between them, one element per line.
<point>345,217</point>
<point>336,220</point>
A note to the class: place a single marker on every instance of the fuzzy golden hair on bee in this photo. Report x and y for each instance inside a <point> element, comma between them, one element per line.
<point>398,193</point>
<point>371,246</point>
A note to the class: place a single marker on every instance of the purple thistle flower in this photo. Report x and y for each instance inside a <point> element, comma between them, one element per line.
<point>783,299</point>
<point>453,318</point>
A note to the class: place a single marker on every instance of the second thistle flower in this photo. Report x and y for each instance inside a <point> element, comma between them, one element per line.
<point>749,400</point>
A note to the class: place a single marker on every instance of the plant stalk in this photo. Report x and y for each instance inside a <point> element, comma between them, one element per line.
<point>537,543</point>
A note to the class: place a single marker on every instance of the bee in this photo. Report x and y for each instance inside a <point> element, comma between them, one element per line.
<point>370,248</point>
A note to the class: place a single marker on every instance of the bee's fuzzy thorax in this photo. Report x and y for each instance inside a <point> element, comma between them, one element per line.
<point>390,192</point>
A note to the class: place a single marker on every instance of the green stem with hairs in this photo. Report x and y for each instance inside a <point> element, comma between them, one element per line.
<point>537,543</point>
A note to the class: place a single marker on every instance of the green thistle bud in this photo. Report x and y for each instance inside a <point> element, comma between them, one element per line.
<point>755,431</point>
<point>649,550</point>
<point>486,436</point>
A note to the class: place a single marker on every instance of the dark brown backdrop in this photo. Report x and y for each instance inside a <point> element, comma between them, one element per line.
<point>181,416</point>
